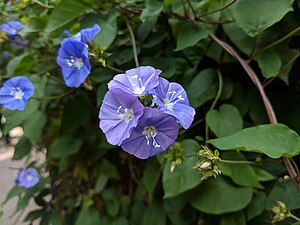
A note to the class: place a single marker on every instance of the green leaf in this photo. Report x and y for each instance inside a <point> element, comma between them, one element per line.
<point>269,63</point>
<point>184,177</point>
<point>237,218</point>
<point>217,196</point>
<point>255,16</point>
<point>274,140</point>
<point>151,175</point>
<point>22,148</point>
<point>111,200</point>
<point>241,174</point>
<point>64,146</point>
<point>257,205</point>
<point>203,87</point>
<point>16,190</point>
<point>108,26</point>
<point>88,217</point>
<point>285,191</point>
<point>224,122</point>
<point>190,35</point>
<point>71,120</point>
<point>20,64</point>
<point>101,183</point>
<point>65,12</point>
<point>154,215</point>
<point>33,127</point>
<point>35,24</point>
<point>39,83</point>
<point>152,9</point>
<point>263,175</point>
<point>15,117</point>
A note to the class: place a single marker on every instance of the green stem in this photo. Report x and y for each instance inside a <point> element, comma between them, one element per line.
<point>192,126</point>
<point>133,44</point>
<point>220,89</point>
<point>43,5</point>
<point>277,42</point>
<point>294,217</point>
<point>219,93</point>
<point>113,69</point>
<point>220,9</point>
<point>235,162</point>
<point>53,97</point>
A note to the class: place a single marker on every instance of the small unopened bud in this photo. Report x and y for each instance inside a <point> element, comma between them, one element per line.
<point>205,165</point>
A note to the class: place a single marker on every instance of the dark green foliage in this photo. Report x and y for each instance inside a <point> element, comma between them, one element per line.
<point>87,181</point>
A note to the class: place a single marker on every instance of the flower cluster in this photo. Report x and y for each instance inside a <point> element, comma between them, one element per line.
<point>141,110</point>
<point>208,163</point>
<point>15,93</point>
<point>11,28</point>
<point>73,56</point>
<point>27,178</point>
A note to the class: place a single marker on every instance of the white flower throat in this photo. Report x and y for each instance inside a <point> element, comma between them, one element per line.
<point>137,84</point>
<point>169,104</point>
<point>74,62</point>
<point>150,133</point>
<point>125,114</point>
<point>17,93</point>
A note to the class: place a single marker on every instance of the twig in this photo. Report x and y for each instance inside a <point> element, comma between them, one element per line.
<point>133,44</point>
<point>271,114</point>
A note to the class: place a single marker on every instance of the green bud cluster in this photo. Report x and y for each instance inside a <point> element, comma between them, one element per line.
<point>280,211</point>
<point>208,163</point>
<point>175,155</point>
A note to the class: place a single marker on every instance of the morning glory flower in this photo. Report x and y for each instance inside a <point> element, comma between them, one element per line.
<point>155,132</point>
<point>11,28</point>
<point>87,33</point>
<point>73,59</point>
<point>136,81</point>
<point>172,99</point>
<point>15,93</point>
<point>118,115</point>
<point>27,178</point>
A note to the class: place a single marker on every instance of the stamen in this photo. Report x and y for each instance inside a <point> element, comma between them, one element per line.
<point>170,104</point>
<point>137,84</point>
<point>150,132</point>
<point>17,93</point>
<point>74,62</point>
<point>125,114</point>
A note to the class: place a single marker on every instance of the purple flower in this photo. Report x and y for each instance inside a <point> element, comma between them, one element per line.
<point>15,93</point>
<point>87,33</point>
<point>155,132</point>
<point>136,81</point>
<point>27,178</point>
<point>73,59</point>
<point>172,99</point>
<point>11,27</point>
<point>118,115</point>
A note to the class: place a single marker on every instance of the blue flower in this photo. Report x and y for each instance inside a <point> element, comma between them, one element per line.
<point>118,115</point>
<point>136,81</point>
<point>155,132</point>
<point>15,93</point>
<point>27,178</point>
<point>172,99</point>
<point>11,27</point>
<point>87,33</point>
<point>73,59</point>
